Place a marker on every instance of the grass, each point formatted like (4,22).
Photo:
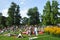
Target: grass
(7,38)
(47,37)
(13,38)
(40,37)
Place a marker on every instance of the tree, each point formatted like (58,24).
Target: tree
(0,17)
(50,13)
(14,15)
(0,14)
(46,14)
(58,19)
(54,14)
(33,16)
(2,21)
(25,21)
(17,16)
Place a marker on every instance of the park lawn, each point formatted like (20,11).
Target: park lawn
(47,37)
(40,37)
(11,38)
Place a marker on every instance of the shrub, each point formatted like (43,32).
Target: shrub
(52,30)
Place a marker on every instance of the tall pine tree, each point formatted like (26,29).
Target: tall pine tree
(46,14)
(50,13)
(54,13)
(14,16)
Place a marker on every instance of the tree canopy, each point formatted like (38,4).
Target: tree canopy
(33,16)
(50,13)
(14,14)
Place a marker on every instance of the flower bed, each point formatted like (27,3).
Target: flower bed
(52,30)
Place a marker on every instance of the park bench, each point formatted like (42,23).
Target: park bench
(32,38)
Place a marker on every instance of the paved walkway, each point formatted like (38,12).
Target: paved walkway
(31,38)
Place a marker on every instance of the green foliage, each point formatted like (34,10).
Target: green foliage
(54,12)
(33,16)
(25,21)
(46,13)
(50,13)
(14,16)
(58,19)
(2,21)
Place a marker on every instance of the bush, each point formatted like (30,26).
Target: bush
(52,30)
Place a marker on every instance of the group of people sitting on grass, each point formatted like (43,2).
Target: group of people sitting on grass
(29,31)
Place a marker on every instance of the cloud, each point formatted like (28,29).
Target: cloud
(4,12)
(22,1)
(24,13)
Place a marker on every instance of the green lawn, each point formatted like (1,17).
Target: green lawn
(40,37)
(11,38)
(47,37)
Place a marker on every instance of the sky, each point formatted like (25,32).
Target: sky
(24,6)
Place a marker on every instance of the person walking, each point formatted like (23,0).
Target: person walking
(35,30)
